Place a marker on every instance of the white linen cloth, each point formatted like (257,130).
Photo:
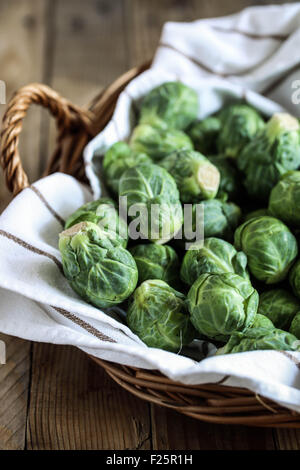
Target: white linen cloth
(251,50)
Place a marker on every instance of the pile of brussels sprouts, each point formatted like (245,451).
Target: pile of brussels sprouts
(240,289)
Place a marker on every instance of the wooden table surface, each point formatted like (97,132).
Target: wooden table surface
(54,397)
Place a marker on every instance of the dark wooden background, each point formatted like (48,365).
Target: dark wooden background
(54,397)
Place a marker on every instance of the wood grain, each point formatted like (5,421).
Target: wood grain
(96,41)
(287,439)
(22,36)
(93,35)
(75,405)
(144,23)
(22,42)
(14,384)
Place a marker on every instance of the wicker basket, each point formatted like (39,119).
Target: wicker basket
(213,403)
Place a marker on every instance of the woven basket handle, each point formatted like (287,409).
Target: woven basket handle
(69,119)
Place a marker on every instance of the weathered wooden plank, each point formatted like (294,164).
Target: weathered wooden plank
(22,41)
(287,439)
(90,48)
(144,22)
(214,8)
(21,56)
(75,405)
(14,382)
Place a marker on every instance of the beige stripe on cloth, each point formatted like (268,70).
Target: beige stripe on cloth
(32,248)
(291,358)
(83,324)
(46,203)
(266,91)
(63,312)
(276,37)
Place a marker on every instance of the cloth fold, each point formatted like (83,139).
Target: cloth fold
(224,59)
(257,48)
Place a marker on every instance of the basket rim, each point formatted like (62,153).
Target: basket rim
(210,402)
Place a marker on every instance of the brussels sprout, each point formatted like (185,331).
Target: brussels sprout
(204,134)
(295,326)
(270,247)
(195,176)
(216,257)
(274,151)
(118,158)
(102,212)
(260,321)
(157,143)
(147,185)
(256,213)
(254,339)
(171,104)
(158,315)
(279,306)
(220,304)
(230,179)
(156,262)
(284,201)
(239,124)
(220,218)
(98,269)
(294,278)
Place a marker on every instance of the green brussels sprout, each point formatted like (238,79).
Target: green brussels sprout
(284,201)
(195,176)
(149,187)
(260,321)
(254,339)
(270,246)
(274,151)
(216,257)
(102,272)
(280,306)
(294,278)
(118,158)
(230,179)
(171,104)
(156,262)
(220,218)
(158,315)
(158,143)
(220,304)
(256,213)
(204,134)
(295,326)
(102,212)
(239,124)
